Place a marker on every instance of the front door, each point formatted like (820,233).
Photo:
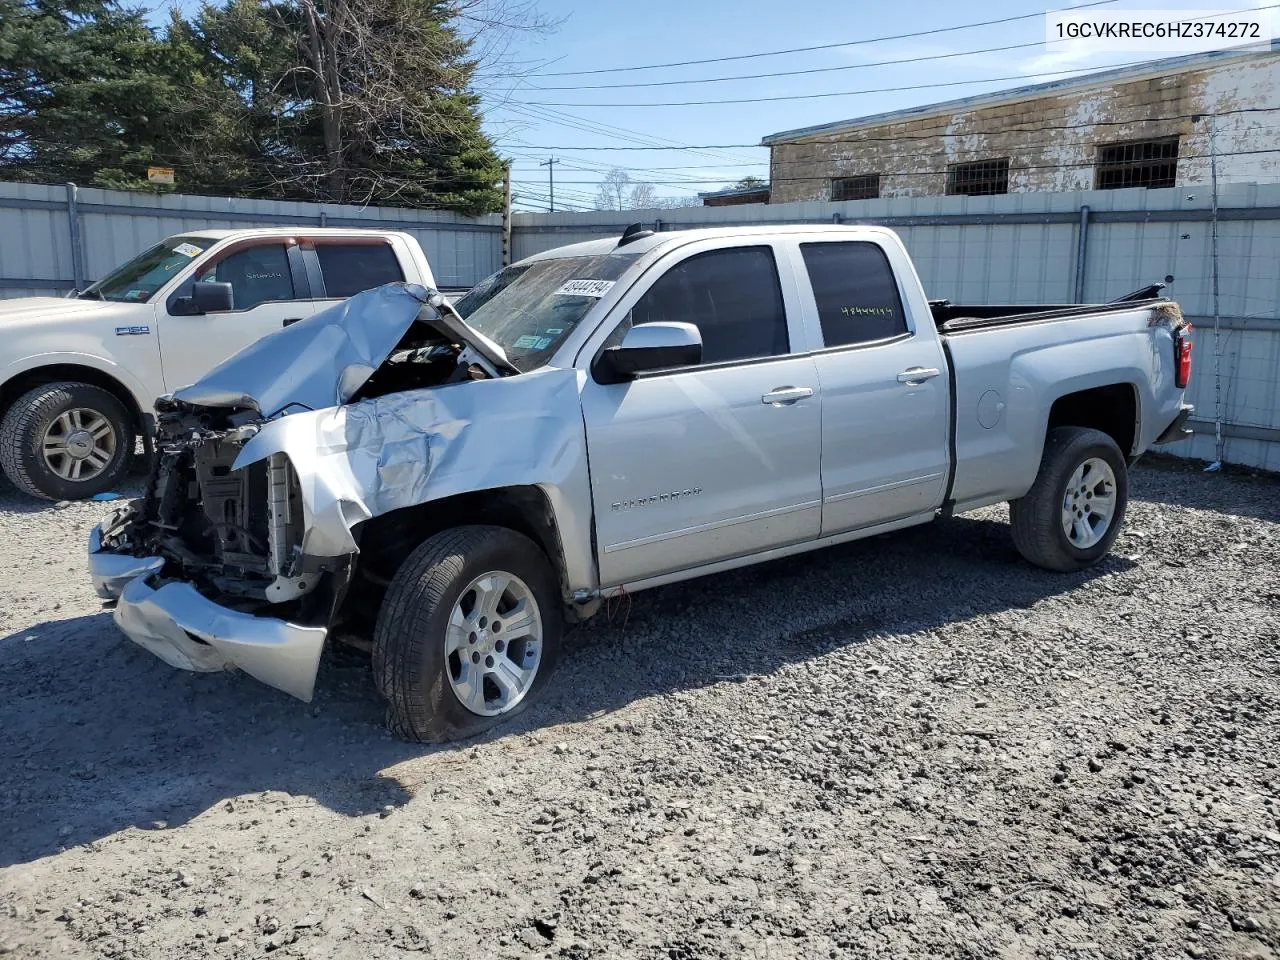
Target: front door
(699,464)
(269,291)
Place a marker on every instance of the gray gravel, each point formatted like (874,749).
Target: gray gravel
(911,746)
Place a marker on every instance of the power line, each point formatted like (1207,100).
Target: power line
(824,46)
(793,73)
(839,93)
(843,67)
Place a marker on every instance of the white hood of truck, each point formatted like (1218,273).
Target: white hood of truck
(56,309)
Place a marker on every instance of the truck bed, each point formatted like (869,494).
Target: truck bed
(962,318)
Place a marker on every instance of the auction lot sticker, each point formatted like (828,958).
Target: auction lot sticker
(586,288)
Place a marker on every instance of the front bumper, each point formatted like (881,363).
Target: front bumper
(188,630)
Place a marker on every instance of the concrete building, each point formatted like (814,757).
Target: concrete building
(1145,125)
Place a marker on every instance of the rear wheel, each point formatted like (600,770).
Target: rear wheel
(66,441)
(1072,514)
(468,633)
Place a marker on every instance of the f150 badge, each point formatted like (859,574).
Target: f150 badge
(133,331)
(657,498)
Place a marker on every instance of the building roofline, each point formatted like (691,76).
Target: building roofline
(1140,71)
(735,191)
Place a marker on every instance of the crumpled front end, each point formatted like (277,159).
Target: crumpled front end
(245,547)
(206,570)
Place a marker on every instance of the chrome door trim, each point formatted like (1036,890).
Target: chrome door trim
(880,488)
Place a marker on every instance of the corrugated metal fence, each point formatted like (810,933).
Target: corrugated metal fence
(1018,248)
(54,238)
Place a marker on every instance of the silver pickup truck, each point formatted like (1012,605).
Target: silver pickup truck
(447,486)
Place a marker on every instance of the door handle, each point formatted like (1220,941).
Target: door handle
(916,375)
(289,320)
(786,395)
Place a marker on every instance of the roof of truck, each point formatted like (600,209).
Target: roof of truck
(606,245)
(283,231)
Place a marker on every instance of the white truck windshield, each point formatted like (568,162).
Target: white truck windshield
(137,280)
(530,308)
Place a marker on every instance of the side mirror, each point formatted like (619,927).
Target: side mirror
(210,296)
(650,346)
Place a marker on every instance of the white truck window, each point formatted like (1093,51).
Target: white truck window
(257,275)
(856,292)
(731,296)
(349,268)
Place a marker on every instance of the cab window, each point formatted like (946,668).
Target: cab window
(257,275)
(856,292)
(732,296)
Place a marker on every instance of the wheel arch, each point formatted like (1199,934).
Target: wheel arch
(1114,409)
(19,382)
(386,540)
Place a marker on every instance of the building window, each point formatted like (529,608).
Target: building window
(1137,163)
(978,179)
(856,188)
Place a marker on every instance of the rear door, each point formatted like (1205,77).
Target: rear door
(885,404)
(269,291)
(698,464)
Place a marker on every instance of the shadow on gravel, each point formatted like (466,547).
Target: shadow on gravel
(99,735)
(758,619)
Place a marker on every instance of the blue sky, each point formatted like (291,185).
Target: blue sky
(608,33)
(531,122)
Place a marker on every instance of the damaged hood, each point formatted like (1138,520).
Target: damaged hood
(323,360)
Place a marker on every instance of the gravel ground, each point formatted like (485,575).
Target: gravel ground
(911,746)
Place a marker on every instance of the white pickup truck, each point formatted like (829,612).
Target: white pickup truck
(447,486)
(78,375)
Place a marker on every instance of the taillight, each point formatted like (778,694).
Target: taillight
(1182,356)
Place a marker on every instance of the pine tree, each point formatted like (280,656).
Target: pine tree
(85,92)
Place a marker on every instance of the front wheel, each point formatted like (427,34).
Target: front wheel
(66,441)
(1072,514)
(468,633)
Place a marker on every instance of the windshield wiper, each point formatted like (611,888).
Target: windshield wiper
(90,293)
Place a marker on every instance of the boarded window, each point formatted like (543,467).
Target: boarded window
(978,179)
(1137,163)
(856,293)
(866,187)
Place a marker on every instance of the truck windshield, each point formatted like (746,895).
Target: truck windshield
(530,308)
(146,273)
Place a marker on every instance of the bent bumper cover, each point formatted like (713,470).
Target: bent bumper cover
(188,630)
(112,571)
(1177,430)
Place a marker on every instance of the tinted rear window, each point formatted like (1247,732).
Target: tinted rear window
(856,292)
(349,268)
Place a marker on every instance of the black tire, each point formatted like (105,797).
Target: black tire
(29,417)
(409,660)
(1036,519)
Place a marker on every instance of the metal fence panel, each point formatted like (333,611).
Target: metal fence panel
(1018,248)
(36,246)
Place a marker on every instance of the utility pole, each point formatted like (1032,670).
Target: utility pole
(550,164)
(1219,443)
(506,214)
